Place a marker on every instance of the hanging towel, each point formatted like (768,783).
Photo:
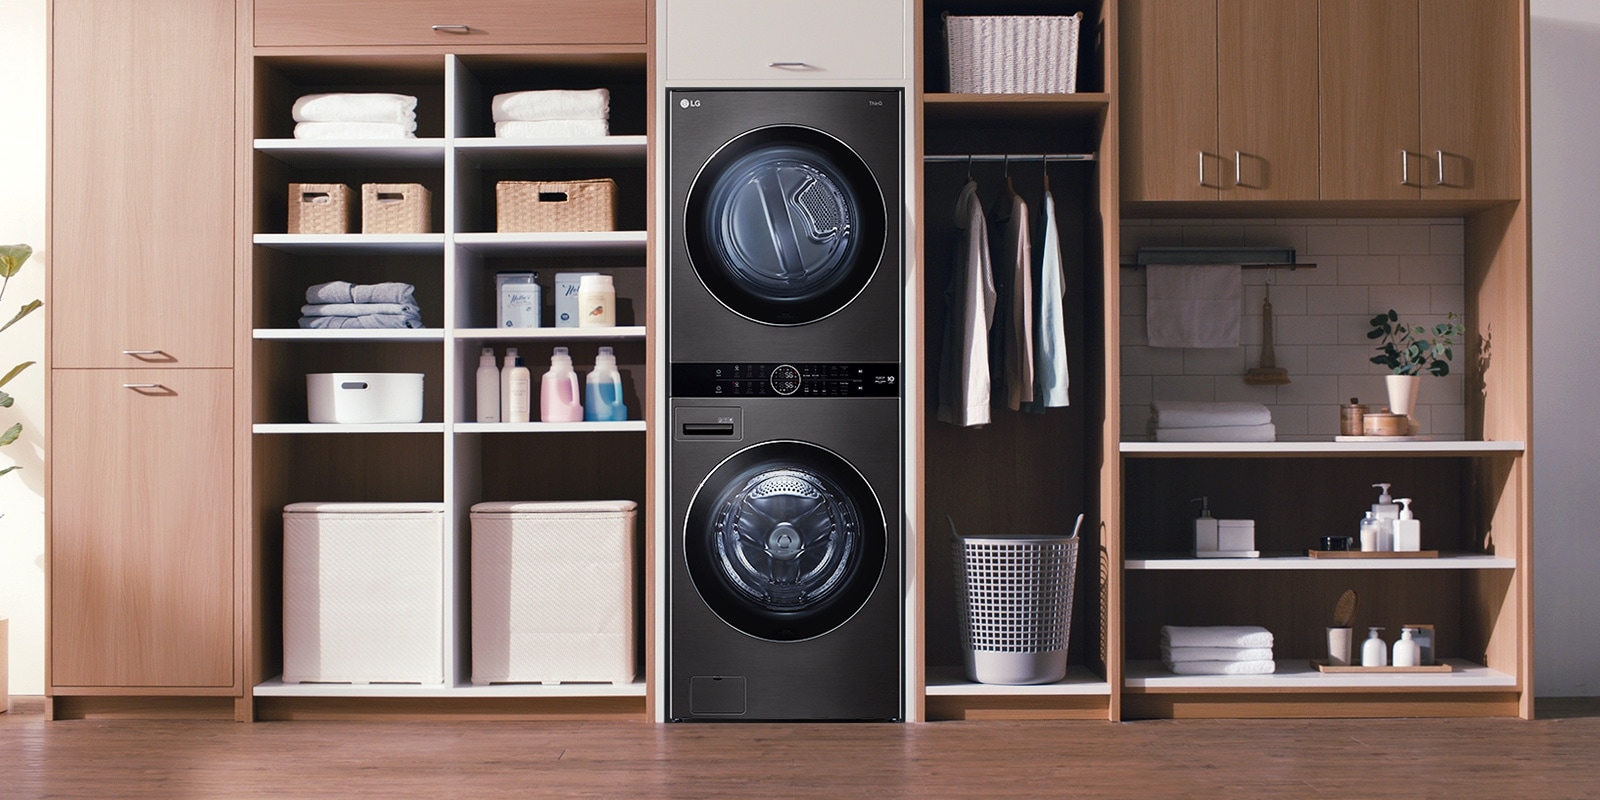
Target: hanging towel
(1224,433)
(546,104)
(365,321)
(1173,655)
(357,309)
(1193,306)
(1199,414)
(1050,332)
(1215,636)
(355,130)
(356,107)
(1017,346)
(969,311)
(346,292)
(1266,667)
(551,129)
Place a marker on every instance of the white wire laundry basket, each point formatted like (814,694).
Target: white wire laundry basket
(1014,605)
(1013,54)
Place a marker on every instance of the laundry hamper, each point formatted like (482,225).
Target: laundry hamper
(553,592)
(363,593)
(1014,605)
(1013,54)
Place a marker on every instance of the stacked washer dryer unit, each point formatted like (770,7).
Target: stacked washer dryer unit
(785,547)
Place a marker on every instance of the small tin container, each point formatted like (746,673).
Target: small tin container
(519,302)
(1350,416)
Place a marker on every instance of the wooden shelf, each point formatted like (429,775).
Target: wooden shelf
(275,687)
(352,243)
(595,243)
(1278,449)
(627,151)
(617,332)
(355,152)
(550,427)
(1456,561)
(1150,677)
(349,334)
(944,108)
(332,427)
(952,681)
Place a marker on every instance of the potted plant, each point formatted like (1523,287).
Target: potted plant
(1408,352)
(11,258)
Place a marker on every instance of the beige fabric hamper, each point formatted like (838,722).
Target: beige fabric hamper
(395,208)
(556,206)
(553,592)
(319,208)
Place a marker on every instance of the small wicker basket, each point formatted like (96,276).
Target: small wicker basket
(395,208)
(1013,54)
(548,206)
(319,208)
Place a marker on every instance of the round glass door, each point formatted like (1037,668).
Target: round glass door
(785,225)
(785,541)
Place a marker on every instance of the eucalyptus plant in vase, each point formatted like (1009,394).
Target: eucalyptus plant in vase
(1408,351)
(11,258)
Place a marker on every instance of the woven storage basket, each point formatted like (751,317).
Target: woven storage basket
(395,208)
(319,208)
(546,206)
(1013,55)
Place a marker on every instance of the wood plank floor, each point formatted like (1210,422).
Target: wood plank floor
(1557,755)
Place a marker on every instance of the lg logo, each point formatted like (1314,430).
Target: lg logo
(687,103)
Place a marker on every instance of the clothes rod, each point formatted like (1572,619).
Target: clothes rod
(945,158)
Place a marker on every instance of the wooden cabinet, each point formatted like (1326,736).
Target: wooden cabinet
(457,23)
(827,40)
(1219,99)
(1469,98)
(1370,148)
(141,540)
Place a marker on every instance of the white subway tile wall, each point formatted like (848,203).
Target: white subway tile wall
(1364,267)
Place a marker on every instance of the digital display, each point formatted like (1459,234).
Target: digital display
(785,380)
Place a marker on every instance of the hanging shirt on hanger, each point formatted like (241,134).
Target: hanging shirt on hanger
(1050,343)
(969,311)
(1017,336)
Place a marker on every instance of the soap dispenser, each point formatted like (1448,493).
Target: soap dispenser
(1374,653)
(559,398)
(1387,512)
(1205,528)
(1407,529)
(603,390)
(1407,653)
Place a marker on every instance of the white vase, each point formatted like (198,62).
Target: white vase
(1403,393)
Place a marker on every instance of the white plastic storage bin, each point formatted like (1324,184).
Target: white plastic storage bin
(364,397)
(363,593)
(553,592)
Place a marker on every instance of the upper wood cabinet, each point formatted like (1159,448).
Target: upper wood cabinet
(452,23)
(825,40)
(1469,98)
(142,183)
(1219,99)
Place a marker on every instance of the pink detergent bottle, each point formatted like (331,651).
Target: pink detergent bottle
(559,395)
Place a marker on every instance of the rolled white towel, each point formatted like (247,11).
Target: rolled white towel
(1229,433)
(552,129)
(1266,667)
(1215,636)
(355,130)
(358,309)
(356,107)
(1198,414)
(534,106)
(1176,654)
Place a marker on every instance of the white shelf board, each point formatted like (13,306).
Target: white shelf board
(617,332)
(275,687)
(347,243)
(1208,449)
(587,243)
(355,152)
(591,151)
(350,334)
(1298,674)
(332,427)
(549,427)
(1444,561)
(952,681)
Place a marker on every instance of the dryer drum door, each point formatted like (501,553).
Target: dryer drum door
(785,541)
(785,225)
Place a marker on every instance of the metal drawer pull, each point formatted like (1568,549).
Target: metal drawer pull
(141,352)
(142,386)
(1405,168)
(1439,155)
(1236,159)
(453,28)
(789,65)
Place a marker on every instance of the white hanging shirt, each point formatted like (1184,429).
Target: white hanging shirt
(1050,343)
(969,311)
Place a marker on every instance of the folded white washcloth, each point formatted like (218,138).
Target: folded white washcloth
(1266,667)
(1231,433)
(346,292)
(355,130)
(546,104)
(1193,305)
(1178,654)
(552,129)
(363,321)
(1201,414)
(356,107)
(357,309)
(1215,636)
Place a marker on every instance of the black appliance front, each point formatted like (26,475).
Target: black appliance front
(785,558)
(784,225)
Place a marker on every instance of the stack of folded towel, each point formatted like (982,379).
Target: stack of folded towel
(1186,421)
(552,114)
(339,304)
(1218,650)
(372,115)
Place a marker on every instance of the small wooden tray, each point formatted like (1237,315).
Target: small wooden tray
(1324,666)
(1373,554)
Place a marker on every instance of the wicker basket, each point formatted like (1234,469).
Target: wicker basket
(1013,55)
(546,206)
(395,208)
(319,208)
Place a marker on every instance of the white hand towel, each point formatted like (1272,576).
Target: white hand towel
(552,129)
(1176,654)
(356,107)
(1193,305)
(354,130)
(1195,414)
(1223,668)
(1226,433)
(546,104)
(1215,636)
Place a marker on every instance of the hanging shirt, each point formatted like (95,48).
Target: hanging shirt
(1050,343)
(969,311)
(1017,346)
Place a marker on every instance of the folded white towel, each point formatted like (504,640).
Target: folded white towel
(1177,654)
(357,309)
(356,107)
(1215,636)
(363,321)
(1199,414)
(552,129)
(1231,433)
(355,130)
(551,104)
(346,292)
(1193,305)
(1266,667)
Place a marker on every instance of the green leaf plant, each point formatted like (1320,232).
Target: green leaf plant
(1405,350)
(11,258)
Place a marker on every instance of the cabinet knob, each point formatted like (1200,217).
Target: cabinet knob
(453,28)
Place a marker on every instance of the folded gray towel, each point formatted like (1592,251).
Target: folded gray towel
(358,309)
(346,292)
(366,321)
(1196,414)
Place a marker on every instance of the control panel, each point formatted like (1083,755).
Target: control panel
(785,380)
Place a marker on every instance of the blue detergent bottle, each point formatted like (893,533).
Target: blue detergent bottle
(603,390)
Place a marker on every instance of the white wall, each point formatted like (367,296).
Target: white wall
(22,206)
(1566,283)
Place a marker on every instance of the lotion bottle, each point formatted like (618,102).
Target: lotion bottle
(488,387)
(1407,529)
(1206,528)
(1374,653)
(505,384)
(1387,512)
(559,398)
(602,400)
(1369,533)
(1407,653)
(521,393)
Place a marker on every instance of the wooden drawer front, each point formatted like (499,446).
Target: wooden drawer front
(717,40)
(488,22)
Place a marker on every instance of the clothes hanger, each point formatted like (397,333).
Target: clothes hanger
(1009,187)
(1045,157)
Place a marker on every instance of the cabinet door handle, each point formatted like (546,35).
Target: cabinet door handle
(1202,168)
(453,28)
(141,352)
(1405,168)
(789,65)
(1438,156)
(137,386)
(1236,159)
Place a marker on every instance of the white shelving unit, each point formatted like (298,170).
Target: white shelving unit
(347,243)
(275,687)
(1461,561)
(1299,675)
(334,427)
(952,681)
